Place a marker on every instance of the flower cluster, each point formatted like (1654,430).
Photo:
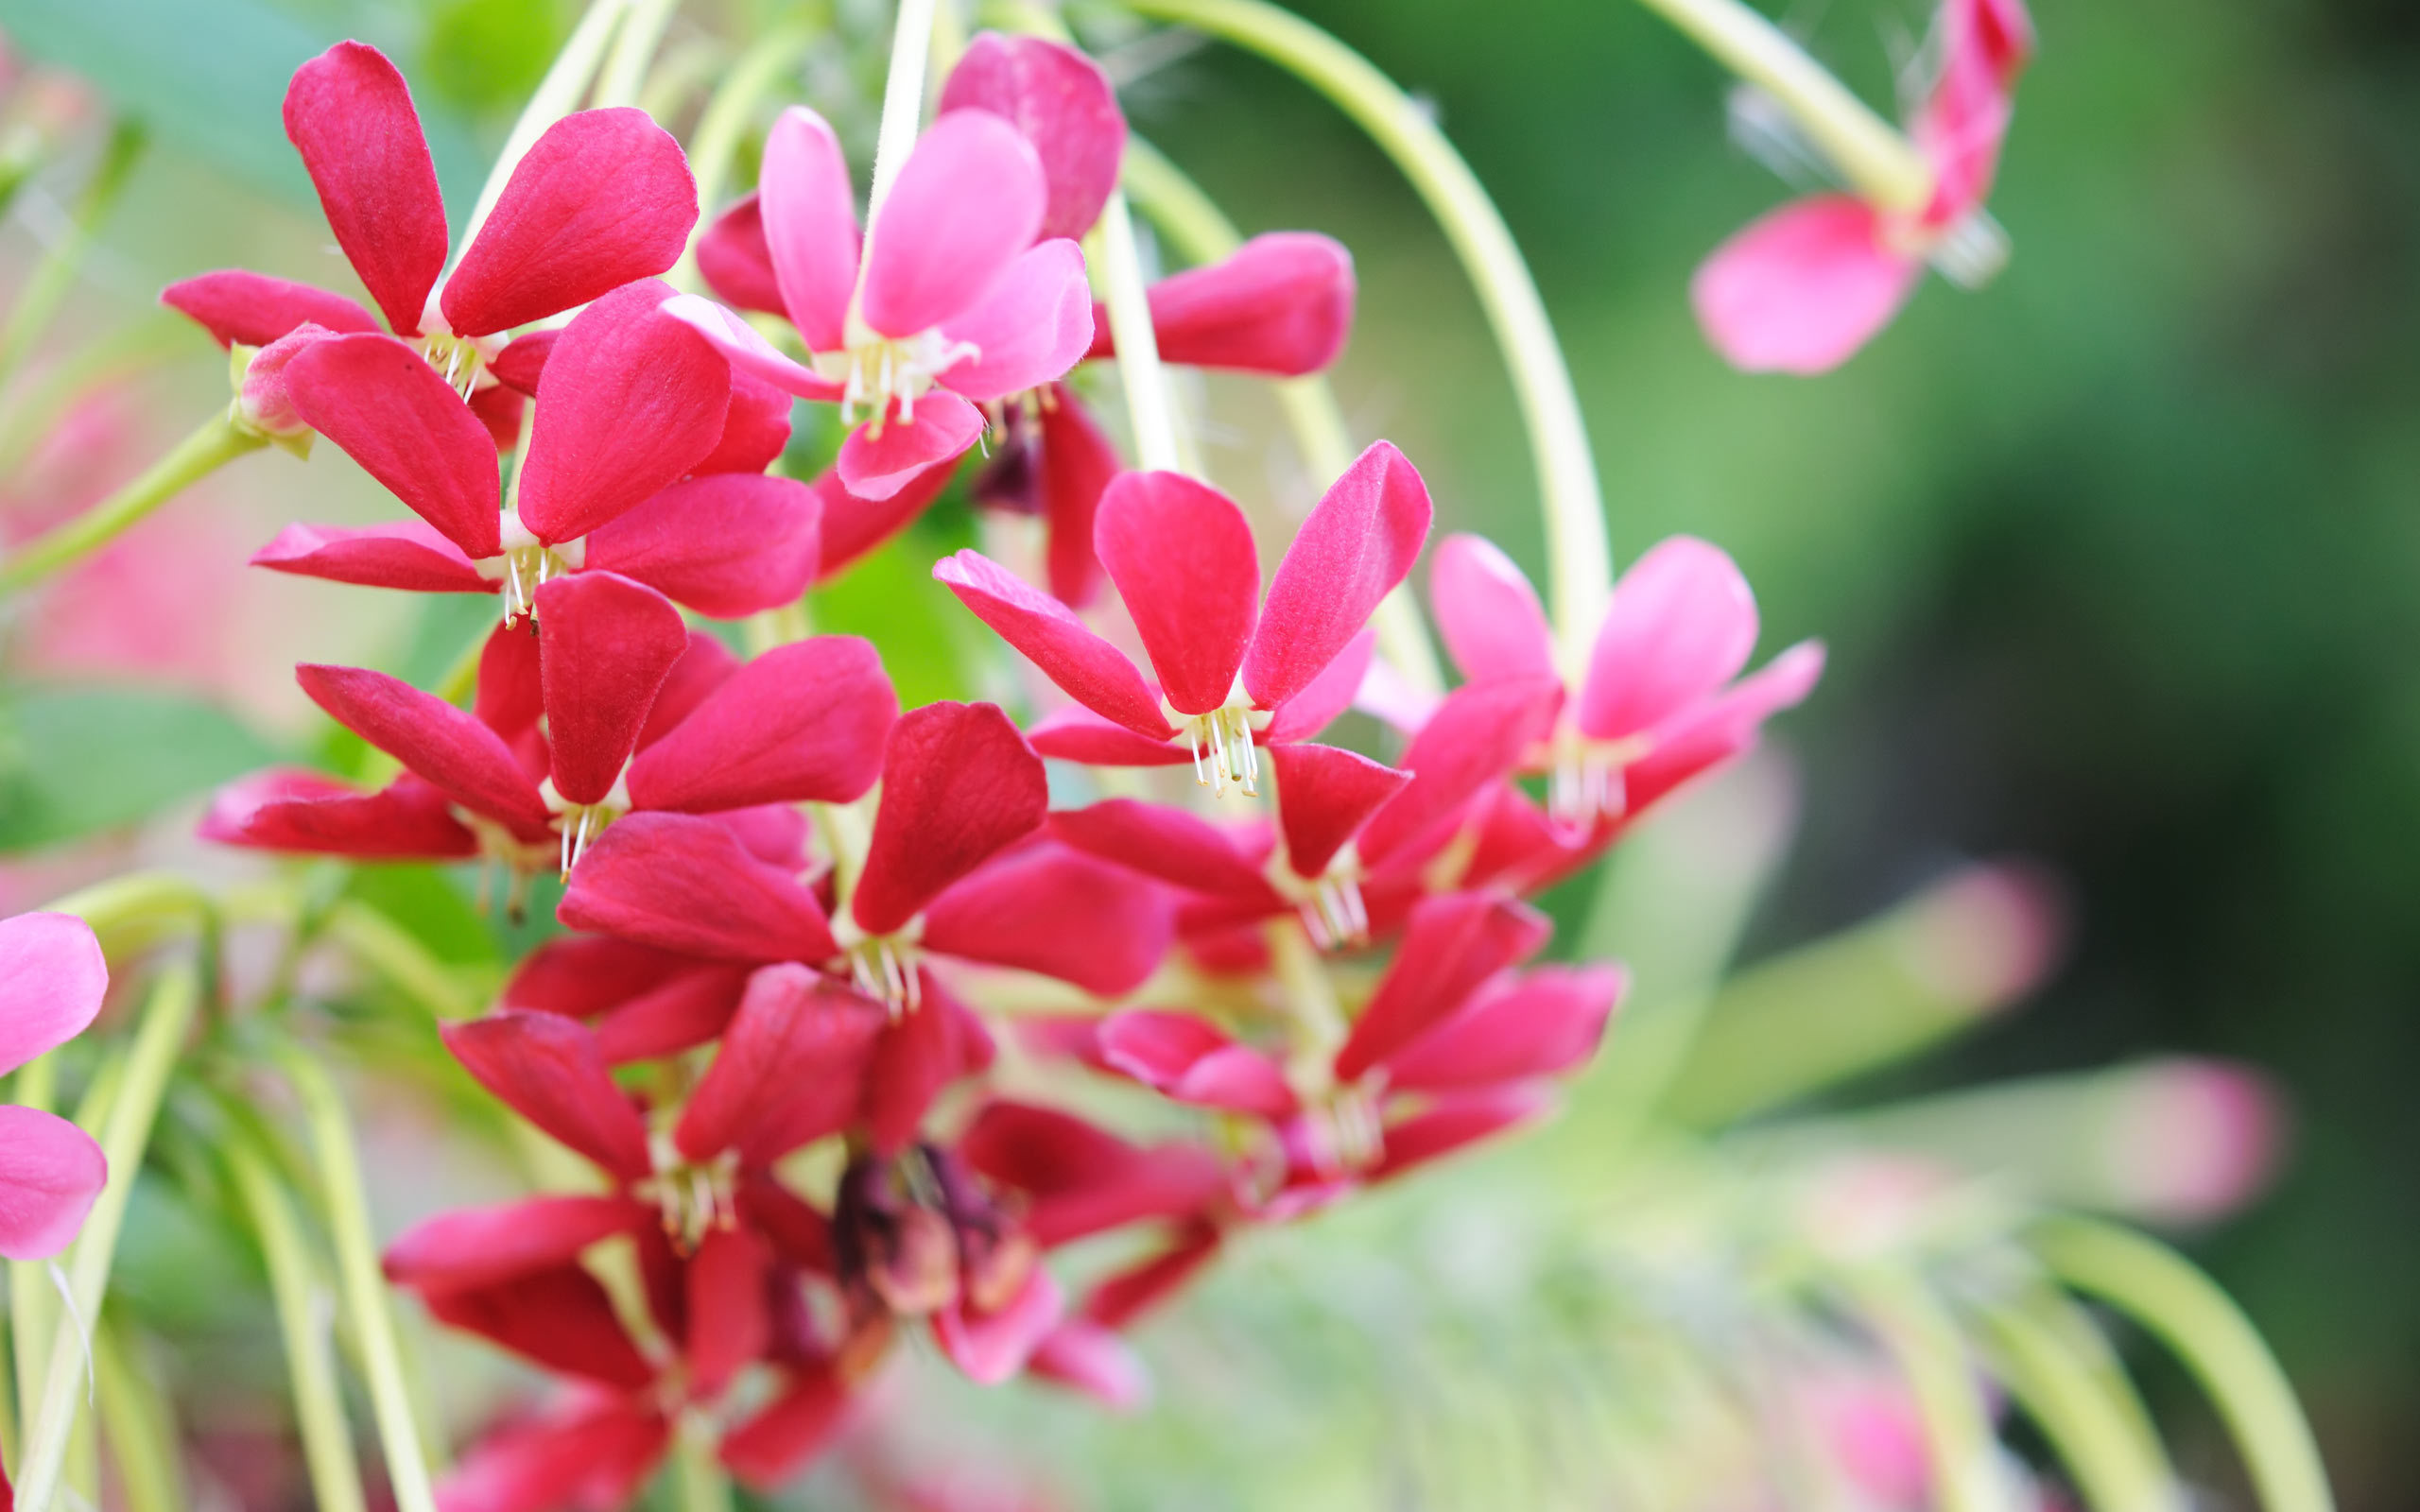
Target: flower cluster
(801,918)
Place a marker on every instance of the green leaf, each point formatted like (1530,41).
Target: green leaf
(489,55)
(74,761)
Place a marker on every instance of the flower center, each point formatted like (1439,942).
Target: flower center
(695,1198)
(527,562)
(1220,741)
(1330,904)
(875,372)
(883,966)
(578,823)
(1969,251)
(1342,1132)
(1584,777)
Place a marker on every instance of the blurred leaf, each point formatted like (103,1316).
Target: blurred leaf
(77,761)
(488,55)
(428,904)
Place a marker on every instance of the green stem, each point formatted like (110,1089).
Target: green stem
(388,949)
(212,444)
(699,1479)
(303,1310)
(726,115)
(1150,409)
(2168,1295)
(1579,559)
(140,1424)
(903,103)
(157,1044)
(626,68)
(56,272)
(1922,1340)
(1884,166)
(2088,1413)
(363,1289)
(558,95)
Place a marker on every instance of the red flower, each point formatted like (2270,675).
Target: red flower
(52,979)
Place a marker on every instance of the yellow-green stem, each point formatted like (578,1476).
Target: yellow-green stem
(140,1423)
(31,1301)
(556,96)
(391,951)
(305,1312)
(1923,1341)
(1117,267)
(2078,1409)
(212,444)
(51,277)
(626,66)
(903,103)
(699,1479)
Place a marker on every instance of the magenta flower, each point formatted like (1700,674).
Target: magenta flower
(1280,304)
(1233,672)
(603,198)
(52,978)
(1802,289)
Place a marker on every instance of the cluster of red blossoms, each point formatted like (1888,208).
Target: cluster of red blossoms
(793,906)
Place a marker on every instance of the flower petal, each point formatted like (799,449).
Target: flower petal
(1487,613)
(580,977)
(737,264)
(1450,945)
(1079,1179)
(602,199)
(1281,303)
(1476,736)
(1063,105)
(1030,329)
(992,1348)
(1542,1023)
(50,1173)
(727,546)
(740,344)
(235,305)
(1175,846)
(1182,555)
(730,1323)
(1084,1357)
(1800,290)
(1188,1059)
(1087,668)
(548,1068)
(925,1050)
(463,758)
(1077,461)
(692,1009)
(852,526)
(480,1246)
(1057,912)
(877,461)
(406,554)
(958,783)
(795,1028)
(605,646)
(387,409)
(521,365)
(808,220)
(1075,733)
(1325,795)
(52,978)
(350,114)
(562,1320)
(1356,545)
(968,200)
(755,430)
(703,668)
(804,723)
(1681,624)
(686,884)
(634,400)
(596,1450)
(1449,1125)
(1721,726)
(302,811)
(1326,695)
(777,1442)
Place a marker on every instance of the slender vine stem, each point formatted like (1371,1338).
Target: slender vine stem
(2080,1412)
(1579,557)
(2167,1295)
(1117,265)
(304,1313)
(51,277)
(702,1484)
(556,96)
(903,105)
(212,444)
(626,66)
(1922,1339)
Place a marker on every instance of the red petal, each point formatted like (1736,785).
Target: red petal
(598,1452)
(1326,696)
(1061,103)
(235,305)
(992,1347)
(688,885)
(1087,1358)
(1722,727)
(853,526)
(743,349)
(1476,736)
(877,465)
(735,262)
(958,783)
(701,669)
(924,1050)
(580,978)
(726,545)
(800,1235)
(510,698)
(522,364)
(1450,1125)
(386,407)
(1355,547)
(729,1325)
(808,218)
(465,759)
(499,409)
(1280,303)
(1544,1023)
(1079,1179)
(50,1174)
(408,554)
(1090,670)
(1123,1297)
(1055,911)
(1800,290)
(1488,614)
(1325,796)
(776,1444)
(1075,733)
(305,812)
(690,1010)
(1030,329)
(606,644)
(635,399)
(1182,555)
(804,723)
(1176,847)
(1191,1061)
(602,199)
(1681,624)
(794,1028)
(967,202)
(549,1070)
(350,114)
(1077,461)
(562,1320)
(480,1246)
(1450,945)
(755,430)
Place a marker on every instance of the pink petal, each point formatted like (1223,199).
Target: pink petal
(853,526)
(803,723)
(1117,1302)
(703,668)
(1325,795)
(603,198)
(1355,546)
(634,400)
(1801,290)
(1090,1359)
(686,884)
(739,343)
(1450,945)
(958,783)
(1721,726)
(1077,461)
(1327,696)
(597,1452)
(692,1009)
(1281,303)
(923,1052)
(350,114)
(1182,555)
(511,699)
(808,220)
(755,430)
(480,1246)
(562,1320)
(1681,624)
(499,408)
(605,646)
(1189,1060)
(967,202)
(408,554)
(1030,329)
(1168,843)
(52,977)
(878,461)
(1448,1125)
(580,977)
(465,759)
(305,812)
(992,1349)
(730,1324)
(1057,912)
(727,546)
(50,1173)
(1544,1023)
(1075,733)
(1087,668)
(1487,613)
(1476,736)
(261,395)
(548,1068)
(1063,104)
(1079,1179)
(386,407)
(776,1443)
(521,365)
(794,1027)
(737,264)
(235,305)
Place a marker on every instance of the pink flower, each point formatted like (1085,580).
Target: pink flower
(602,198)
(1803,289)
(1280,304)
(1233,672)
(52,978)
(954,304)
(1061,103)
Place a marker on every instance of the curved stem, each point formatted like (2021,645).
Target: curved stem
(725,117)
(39,299)
(556,96)
(1579,559)
(1884,166)
(2090,1419)
(626,67)
(304,1312)
(212,444)
(132,1111)
(2167,1295)
(1924,1341)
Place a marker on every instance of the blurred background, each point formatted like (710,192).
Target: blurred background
(2117,559)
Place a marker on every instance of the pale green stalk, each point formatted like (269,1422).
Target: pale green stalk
(390,949)
(558,95)
(903,105)
(634,48)
(726,115)
(699,1481)
(305,1312)
(132,1111)
(1151,410)
(215,442)
(56,272)
(2167,1295)
(1924,1342)
(1579,558)
(1884,166)
(140,1423)
(363,1287)
(2092,1421)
